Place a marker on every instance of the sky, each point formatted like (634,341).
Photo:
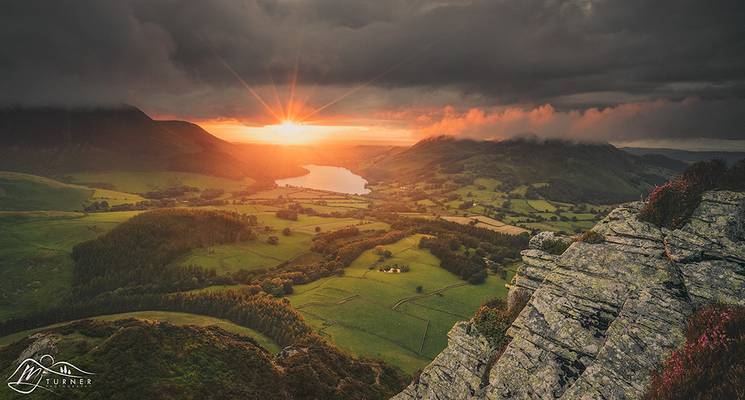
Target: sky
(667,73)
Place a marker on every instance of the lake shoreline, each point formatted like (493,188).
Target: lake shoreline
(328,178)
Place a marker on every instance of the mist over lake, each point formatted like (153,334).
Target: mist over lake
(324,177)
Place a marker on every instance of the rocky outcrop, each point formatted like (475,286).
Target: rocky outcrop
(458,371)
(601,316)
(43,343)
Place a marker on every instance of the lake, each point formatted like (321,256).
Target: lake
(324,177)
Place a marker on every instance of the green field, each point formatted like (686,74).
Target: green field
(258,254)
(172,317)
(145,181)
(381,315)
(25,192)
(541,205)
(35,263)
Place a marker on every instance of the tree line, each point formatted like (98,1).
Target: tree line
(136,255)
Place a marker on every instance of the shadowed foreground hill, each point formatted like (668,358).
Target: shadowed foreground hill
(137,359)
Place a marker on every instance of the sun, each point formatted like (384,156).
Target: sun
(290,132)
(289,127)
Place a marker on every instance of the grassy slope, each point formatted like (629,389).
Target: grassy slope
(175,318)
(356,311)
(256,254)
(25,192)
(35,263)
(144,181)
(30,192)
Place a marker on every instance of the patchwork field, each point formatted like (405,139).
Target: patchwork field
(502,209)
(172,317)
(487,223)
(383,315)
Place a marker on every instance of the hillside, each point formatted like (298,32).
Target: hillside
(54,141)
(557,170)
(140,359)
(686,156)
(603,315)
(25,192)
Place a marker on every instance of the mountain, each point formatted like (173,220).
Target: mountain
(686,156)
(556,169)
(49,141)
(603,315)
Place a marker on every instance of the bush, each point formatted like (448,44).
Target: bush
(287,214)
(672,204)
(711,364)
(286,231)
(273,240)
(494,317)
(477,277)
(592,237)
(705,175)
(466,205)
(556,246)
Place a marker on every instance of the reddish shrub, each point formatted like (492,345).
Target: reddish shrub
(591,237)
(671,204)
(711,364)
(705,175)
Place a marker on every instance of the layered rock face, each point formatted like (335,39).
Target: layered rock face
(601,316)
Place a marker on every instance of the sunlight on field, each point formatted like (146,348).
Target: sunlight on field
(349,309)
(144,181)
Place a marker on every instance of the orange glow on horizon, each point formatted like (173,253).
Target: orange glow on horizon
(290,132)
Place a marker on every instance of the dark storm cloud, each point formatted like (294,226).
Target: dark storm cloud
(571,54)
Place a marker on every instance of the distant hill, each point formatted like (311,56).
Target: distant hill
(685,156)
(558,170)
(52,141)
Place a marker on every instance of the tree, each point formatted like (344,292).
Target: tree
(287,214)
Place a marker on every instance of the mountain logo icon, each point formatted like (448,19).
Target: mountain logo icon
(48,375)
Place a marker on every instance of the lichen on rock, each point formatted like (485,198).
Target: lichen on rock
(601,316)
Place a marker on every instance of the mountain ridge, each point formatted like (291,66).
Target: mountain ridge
(557,169)
(48,140)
